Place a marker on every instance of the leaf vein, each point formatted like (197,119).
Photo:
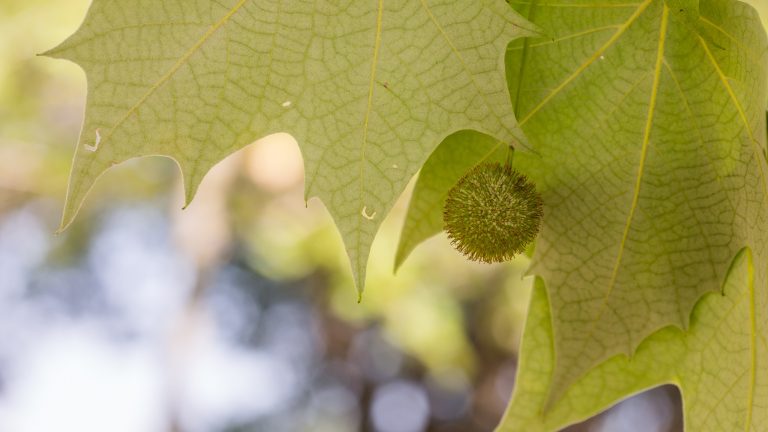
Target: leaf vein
(760,162)
(366,124)
(453,47)
(636,14)
(640,169)
(567,37)
(175,68)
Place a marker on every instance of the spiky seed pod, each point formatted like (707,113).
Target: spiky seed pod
(492,213)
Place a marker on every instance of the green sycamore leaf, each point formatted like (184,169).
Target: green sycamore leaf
(716,363)
(453,158)
(647,124)
(762,9)
(367,89)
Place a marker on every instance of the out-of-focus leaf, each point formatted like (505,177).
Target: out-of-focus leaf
(456,155)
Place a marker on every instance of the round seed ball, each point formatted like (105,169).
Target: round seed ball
(492,213)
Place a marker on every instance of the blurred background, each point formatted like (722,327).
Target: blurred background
(237,314)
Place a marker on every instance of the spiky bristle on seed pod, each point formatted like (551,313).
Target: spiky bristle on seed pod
(492,213)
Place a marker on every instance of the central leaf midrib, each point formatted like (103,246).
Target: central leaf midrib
(640,171)
(643,156)
(366,123)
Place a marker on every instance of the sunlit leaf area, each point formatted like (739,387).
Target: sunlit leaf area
(238,313)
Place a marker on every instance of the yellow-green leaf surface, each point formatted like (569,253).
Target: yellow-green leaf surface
(453,158)
(647,121)
(721,375)
(368,89)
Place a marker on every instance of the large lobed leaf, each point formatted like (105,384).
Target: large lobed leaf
(367,88)
(647,122)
